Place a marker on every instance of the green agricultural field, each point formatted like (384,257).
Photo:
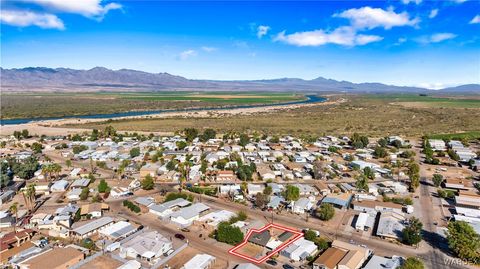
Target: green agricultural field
(35,105)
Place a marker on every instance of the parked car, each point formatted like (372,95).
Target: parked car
(288,266)
(272,262)
(180,236)
(185,230)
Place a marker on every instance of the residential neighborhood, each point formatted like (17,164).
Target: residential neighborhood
(209,200)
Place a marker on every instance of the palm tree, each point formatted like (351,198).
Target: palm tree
(29,196)
(56,169)
(46,171)
(14,210)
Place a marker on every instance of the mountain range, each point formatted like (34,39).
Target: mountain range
(103,79)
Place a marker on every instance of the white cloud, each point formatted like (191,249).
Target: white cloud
(406,2)
(475,19)
(432,86)
(187,54)
(208,49)
(345,36)
(369,18)
(87,8)
(400,40)
(28,18)
(433,13)
(262,30)
(436,38)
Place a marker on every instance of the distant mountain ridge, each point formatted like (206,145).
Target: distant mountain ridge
(102,78)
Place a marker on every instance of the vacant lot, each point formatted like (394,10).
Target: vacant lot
(415,100)
(36,105)
(373,115)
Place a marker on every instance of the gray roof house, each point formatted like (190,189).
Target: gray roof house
(185,216)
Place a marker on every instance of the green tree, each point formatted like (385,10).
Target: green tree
(147,183)
(103,186)
(25,133)
(414,175)
(369,173)
(275,139)
(310,235)
(175,195)
(14,211)
(94,135)
(325,212)
(397,143)
(68,163)
(359,141)
(453,155)
(134,152)
(244,140)
(291,193)
(267,190)
(261,200)
(25,169)
(17,134)
(190,134)
(382,142)
(221,164)
(228,234)
(412,233)
(110,131)
(181,145)
(380,152)
(172,164)
(208,134)
(412,263)
(37,147)
(84,194)
(464,241)
(362,183)
(437,180)
(77,149)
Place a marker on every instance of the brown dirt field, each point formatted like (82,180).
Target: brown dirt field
(251,250)
(102,262)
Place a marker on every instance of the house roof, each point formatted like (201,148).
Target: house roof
(191,211)
(180,202)
(199,261)
(353,259)
(145,201)
(330,258)
(285,236)
(85,209)
(342,199)
(93,225)
(55,258)
(261,238)
(147,244)
(82,182)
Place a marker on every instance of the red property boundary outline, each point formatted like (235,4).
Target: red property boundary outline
(273,252)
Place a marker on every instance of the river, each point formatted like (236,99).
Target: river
(310,99)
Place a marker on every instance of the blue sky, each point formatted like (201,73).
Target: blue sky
(423,43)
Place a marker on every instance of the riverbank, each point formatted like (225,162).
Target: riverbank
(73,125)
